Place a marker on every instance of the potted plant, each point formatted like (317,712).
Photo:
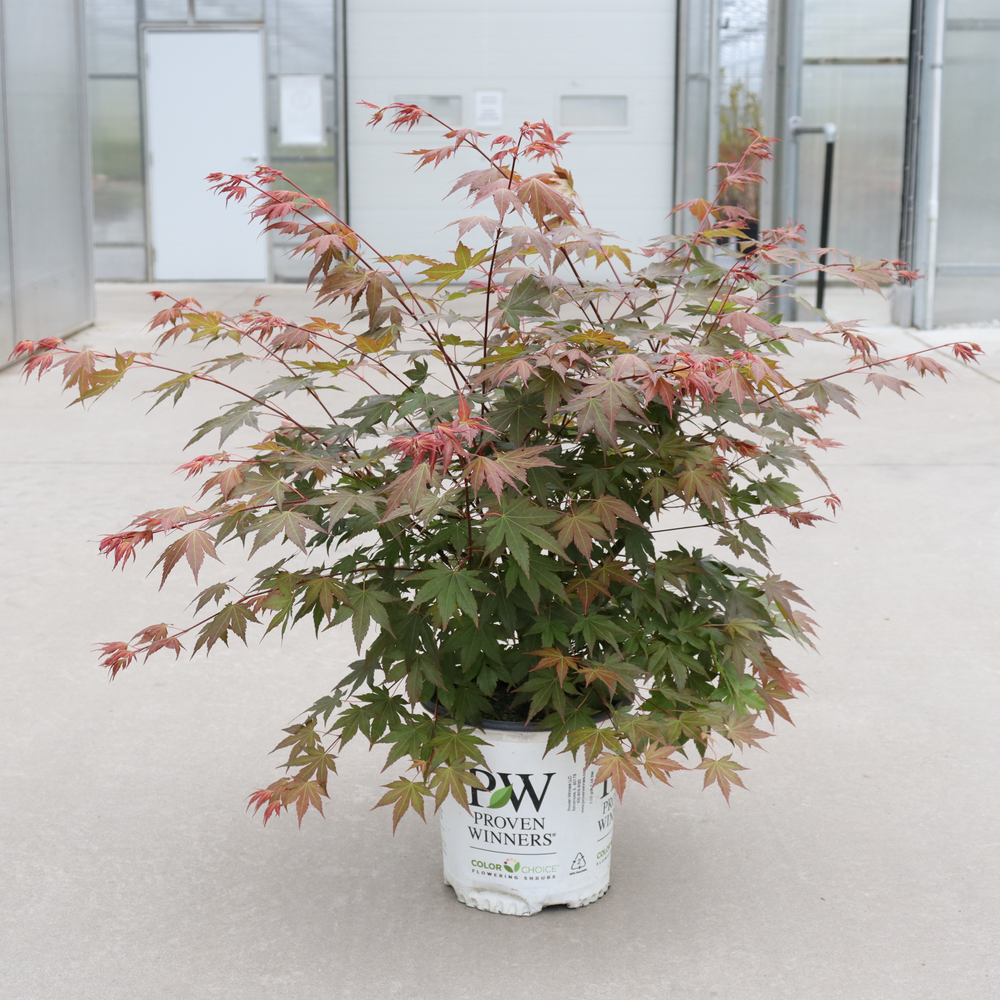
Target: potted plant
(497,514)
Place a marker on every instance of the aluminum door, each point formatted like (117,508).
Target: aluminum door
(204,113)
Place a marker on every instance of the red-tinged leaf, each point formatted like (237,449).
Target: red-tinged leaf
(116,656)
(123,545)
(484,222)
(507,467)
(587,589)
(825,443)
(741,731)
(193,546)
(783,594)
(542,199)
(402,796)
(967,352)
(581,528)
(926,366)
(201,463)
(658,762)
(226,481)
(833,502)
(882,381)
(558,660)
(609,509)
(618,768)
(721,772)
(705,482)
(409,487)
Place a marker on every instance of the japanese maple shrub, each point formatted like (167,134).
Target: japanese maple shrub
(497,516)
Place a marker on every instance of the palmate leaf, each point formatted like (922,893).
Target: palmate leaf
(516,525)
(232,618)
(452,779)
(449,589)
(580,528)
(599,408)
(506,468)
(453,745)
(193,546)
(594,742)
(522,300)
(722,772)
(618,768)
(557,659)
(402,796)
(367,603)
(292,523)
(658,762)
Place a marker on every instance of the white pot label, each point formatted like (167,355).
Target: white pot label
(539,835)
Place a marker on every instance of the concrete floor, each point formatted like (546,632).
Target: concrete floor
(861,865)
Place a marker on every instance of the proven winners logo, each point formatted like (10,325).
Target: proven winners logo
(490,827)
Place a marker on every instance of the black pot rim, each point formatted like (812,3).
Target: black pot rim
(501,725)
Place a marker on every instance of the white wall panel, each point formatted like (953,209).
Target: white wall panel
(47,167)
(534,52)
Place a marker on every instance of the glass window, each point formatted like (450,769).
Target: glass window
(119,205)
(165,10)
(598,111)
(111,36)
(969,263)
(855,55)
(229,10)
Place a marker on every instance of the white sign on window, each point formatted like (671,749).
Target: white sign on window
(301,110)
(489,108)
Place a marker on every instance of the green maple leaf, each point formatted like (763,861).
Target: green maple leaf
(402,796)
(593,741)
(456,744)
(451,779)
(522,300)
(450,589)
(518,523)
(293,524)
(367,604)
(232,618)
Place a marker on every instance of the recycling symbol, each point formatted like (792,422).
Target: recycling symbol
(579,863)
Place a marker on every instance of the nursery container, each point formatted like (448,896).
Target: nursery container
(545,842)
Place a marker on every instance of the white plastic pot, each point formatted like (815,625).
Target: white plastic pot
(546,842)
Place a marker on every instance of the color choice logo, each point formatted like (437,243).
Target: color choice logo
(511,865)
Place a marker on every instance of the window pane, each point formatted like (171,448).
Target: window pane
(119,213)
(300,35)
(229,10)
(165,10)
(593,112)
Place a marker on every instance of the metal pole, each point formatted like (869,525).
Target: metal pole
(937,74)
(824,227)
(830,131)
